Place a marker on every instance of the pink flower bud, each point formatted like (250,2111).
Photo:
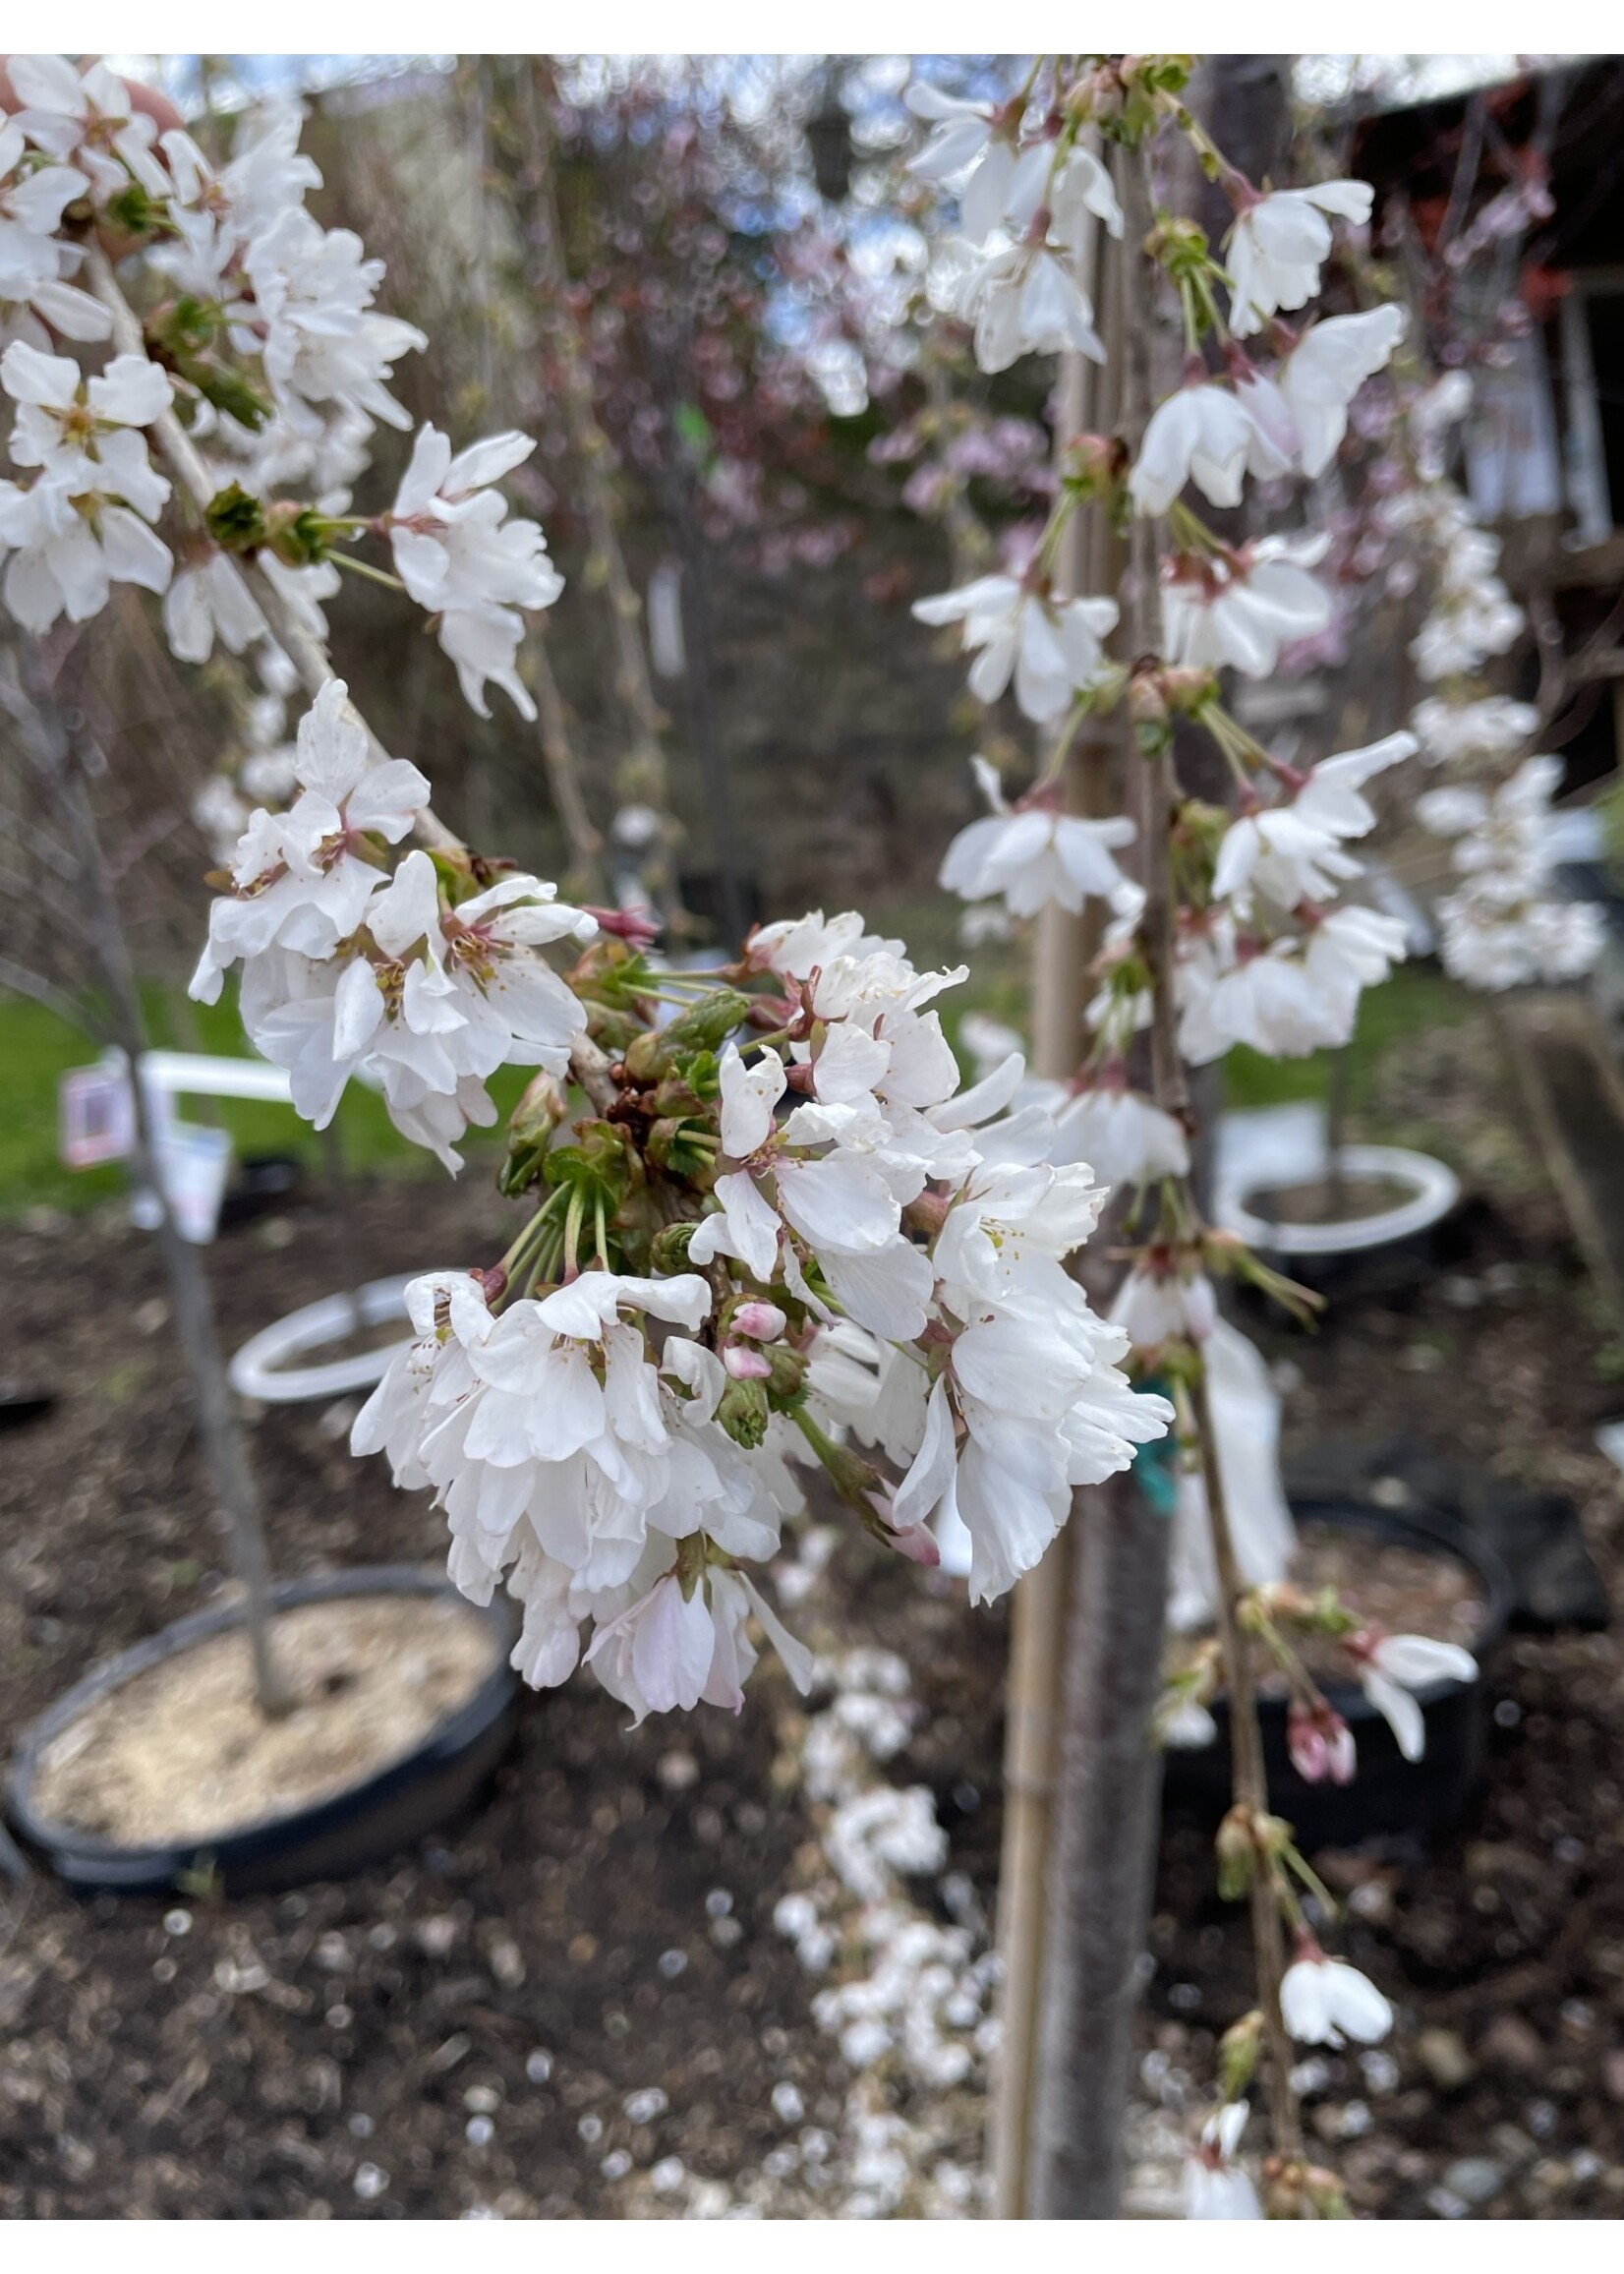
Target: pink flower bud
(744,1363)
(1320,1744)
(918,1543)
(636,926)
(761,1322)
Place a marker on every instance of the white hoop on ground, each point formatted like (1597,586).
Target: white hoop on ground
(261,1368)
(1434,1191)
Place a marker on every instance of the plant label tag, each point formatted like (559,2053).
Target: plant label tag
(95,1117)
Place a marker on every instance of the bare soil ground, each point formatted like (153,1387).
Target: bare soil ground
(583,1980)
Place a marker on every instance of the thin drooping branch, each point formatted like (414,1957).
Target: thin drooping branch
(310,657)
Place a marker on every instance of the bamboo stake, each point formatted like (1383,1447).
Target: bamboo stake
(1063,949)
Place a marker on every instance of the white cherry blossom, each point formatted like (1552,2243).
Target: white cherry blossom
(1277,245)
(1326,2002)
(1051,647)
(87,120)
(1242,607)
(1032,854)
(1203,434)
(1291,852)
(1392,1668)
(1324,371)
(1214,2184)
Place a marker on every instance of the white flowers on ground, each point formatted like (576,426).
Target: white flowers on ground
(1393,1666)
(1051,647)
(462,559)
(1029,853)
(1277,245)
(1326,2002)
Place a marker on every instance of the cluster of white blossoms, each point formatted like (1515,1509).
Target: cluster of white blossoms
(763,1250)
(1271,952)
(1277,960)
(1504,925)
(269,350)
(348,968)
(1501,928)
(1027,203)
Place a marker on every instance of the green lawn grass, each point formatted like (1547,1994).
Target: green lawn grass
(36,1048)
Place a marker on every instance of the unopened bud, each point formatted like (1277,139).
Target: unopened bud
(745,1363)
(705,1028)
(1295,2189)
(1235,1850)
(638,927)
(760,1321)
(1321,1743)
(787,1372)
(1238,2052)
(743,1413)
(668,1250)
(1092,465)
(917,1542)
(1146,700)
(540,1112)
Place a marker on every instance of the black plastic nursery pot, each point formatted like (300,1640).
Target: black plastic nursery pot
(325,1839)
(264,1181)
(1389,1798)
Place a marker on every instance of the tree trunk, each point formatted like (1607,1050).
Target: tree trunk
(1102,1857)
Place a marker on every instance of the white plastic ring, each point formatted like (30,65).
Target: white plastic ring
(1434,1191)
(261,1368)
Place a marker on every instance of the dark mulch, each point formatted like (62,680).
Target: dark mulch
(609,1910)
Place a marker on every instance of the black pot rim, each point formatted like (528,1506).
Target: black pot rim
(146,1865)
(1420,1527)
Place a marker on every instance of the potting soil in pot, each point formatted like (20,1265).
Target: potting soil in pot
(1322,1202)
(1403,1590)
(182,1753)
